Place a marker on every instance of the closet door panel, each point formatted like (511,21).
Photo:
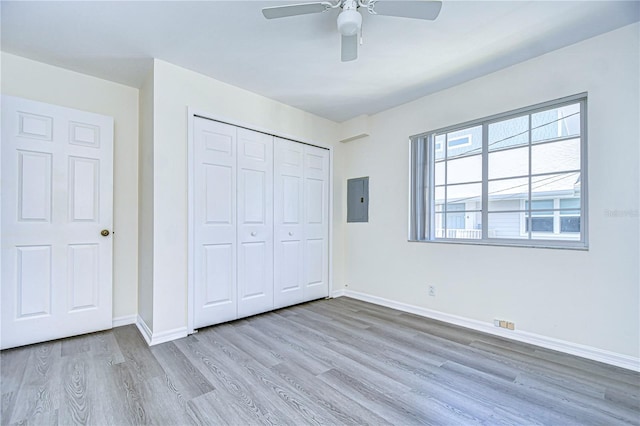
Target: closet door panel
(255,222)
(289,222)
(214,222)
(316,223)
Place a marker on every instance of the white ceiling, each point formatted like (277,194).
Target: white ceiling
(296,60)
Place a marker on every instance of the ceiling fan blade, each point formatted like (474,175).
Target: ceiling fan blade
(416,9)
(294,9)
(349,48)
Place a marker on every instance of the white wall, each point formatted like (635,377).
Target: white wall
(45,83)
(175,89)
(583,297)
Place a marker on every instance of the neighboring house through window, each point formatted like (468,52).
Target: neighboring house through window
(552,216)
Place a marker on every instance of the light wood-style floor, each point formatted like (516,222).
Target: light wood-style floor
(338,361)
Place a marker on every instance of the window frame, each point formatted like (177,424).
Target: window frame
(422,209)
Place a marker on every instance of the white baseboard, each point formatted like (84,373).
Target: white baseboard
(583,351)
(144,330)
(124,320)
(339,293)
(156,338)
(169,335)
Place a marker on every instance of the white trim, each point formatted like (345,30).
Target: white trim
(190,220)
(584,351)
(169,335)
(124,320)
(339,293)
(157,338)
(330,225)
(144,330)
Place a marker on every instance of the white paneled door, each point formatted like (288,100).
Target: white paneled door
(289,223)
(255,222)
(316,223)
(214,239)
(57,180)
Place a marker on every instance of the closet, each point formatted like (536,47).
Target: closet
(260,222)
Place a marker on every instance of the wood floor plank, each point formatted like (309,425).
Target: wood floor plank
(290,348)
(335,312)
(527,400)
(211,408)
(233,388)
(75,345)
(436,411)
(77,406)
(388,406)
(264,381)
(38,397)
(138,358)
(134,405)
(242,340)
(573,377)
(592,403)
(182,374)
(115,398)
(104,345)
(371,338)
(163,402)
(339,405)
(325,354)
(15,362)
(623,399)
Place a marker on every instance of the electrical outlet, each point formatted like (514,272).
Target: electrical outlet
(504,324)
(432,290)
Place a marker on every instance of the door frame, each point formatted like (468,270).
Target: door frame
(192,113)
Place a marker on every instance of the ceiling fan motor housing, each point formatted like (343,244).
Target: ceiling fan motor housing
(349,20)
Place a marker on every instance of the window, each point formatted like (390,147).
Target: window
(459,142)
(555,216)
(537,218)
(513,179)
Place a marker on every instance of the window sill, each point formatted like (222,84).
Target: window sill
(579,246)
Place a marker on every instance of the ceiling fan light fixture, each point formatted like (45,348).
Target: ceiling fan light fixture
(349,22)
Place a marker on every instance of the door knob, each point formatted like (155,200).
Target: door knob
(253,234)
(290,234)
(104,232)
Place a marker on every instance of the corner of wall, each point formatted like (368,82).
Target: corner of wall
(145,205)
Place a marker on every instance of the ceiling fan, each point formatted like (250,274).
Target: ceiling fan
(350,20)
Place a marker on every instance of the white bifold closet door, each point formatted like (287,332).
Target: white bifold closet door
(233,209)
(255,222)
(301,223)
(215,248)
(260,222)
